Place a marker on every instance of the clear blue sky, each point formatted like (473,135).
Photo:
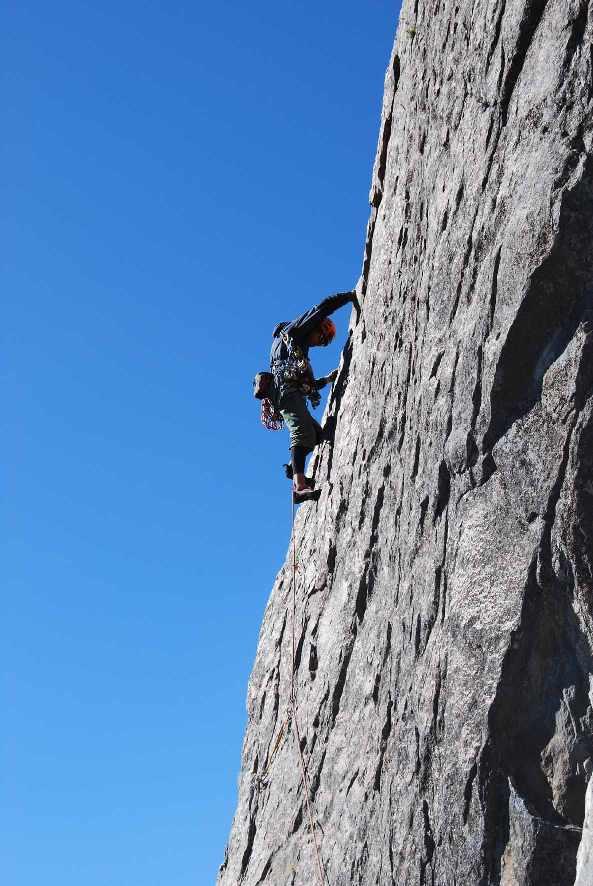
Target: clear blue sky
(176,179)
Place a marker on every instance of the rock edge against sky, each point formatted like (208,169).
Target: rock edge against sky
(444,591)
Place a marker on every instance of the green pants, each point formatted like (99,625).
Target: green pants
(304,430)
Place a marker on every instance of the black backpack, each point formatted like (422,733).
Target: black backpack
(262,385)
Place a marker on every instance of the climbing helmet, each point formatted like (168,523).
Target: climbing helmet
(327,328)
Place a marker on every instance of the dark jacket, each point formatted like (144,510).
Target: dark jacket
(300,329)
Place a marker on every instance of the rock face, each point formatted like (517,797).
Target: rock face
(444,629)
(585,854)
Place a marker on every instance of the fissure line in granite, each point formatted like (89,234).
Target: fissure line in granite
(284,731)
(293,715)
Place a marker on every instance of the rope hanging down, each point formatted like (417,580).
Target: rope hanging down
(321,873)
(292,717)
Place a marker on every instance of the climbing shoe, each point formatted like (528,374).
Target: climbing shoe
(310,481)
(306,495)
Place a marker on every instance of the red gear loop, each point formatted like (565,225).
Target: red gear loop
(270,418)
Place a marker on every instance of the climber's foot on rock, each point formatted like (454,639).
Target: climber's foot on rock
(306,494)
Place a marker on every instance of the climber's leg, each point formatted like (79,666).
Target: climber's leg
(299,453)
(303,435)
(289,474)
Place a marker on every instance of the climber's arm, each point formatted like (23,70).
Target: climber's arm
(309,321)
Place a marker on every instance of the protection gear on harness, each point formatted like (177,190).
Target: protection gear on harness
(296,371)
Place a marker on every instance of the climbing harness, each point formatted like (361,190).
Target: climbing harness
(295,370)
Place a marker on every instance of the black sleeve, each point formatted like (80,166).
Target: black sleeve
(303,325)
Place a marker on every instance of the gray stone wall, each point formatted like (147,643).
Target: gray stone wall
(444,592)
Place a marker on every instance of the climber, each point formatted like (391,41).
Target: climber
(294,382)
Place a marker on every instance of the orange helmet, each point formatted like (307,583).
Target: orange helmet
(327,329)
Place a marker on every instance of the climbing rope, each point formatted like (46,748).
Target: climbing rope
(292,717)
(321,873)
(270,417)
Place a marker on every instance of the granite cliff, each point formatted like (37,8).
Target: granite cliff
(445,585)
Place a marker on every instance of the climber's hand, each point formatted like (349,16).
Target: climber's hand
(355,304)
(326,379)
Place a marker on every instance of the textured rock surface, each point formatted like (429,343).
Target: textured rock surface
(585,854)
(445,608)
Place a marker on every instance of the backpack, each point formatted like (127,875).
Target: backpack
(262,384)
